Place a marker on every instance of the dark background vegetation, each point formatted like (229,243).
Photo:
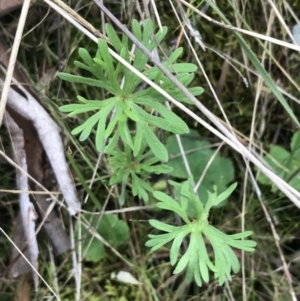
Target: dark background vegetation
(51,45)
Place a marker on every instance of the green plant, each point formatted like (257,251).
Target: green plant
(284,163)
(126,124)
(142,110)
(196,258)
(128,105)
(113,230)
(198,154)
(126,166)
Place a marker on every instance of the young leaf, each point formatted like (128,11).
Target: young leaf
(196,259)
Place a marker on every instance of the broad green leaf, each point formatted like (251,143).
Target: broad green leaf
(85,67)
(90,121)
(113,230)
(126,105)
(193,267)
(147,31)
(184,199)
(94,251)
(159,240)
(176,68)
(240,235)
(97,72)
(159,36)
(177,94)
(78,108)
(185,78)
(120,69)
(109,65)
(140,187)
(171,117)
(246,245)
(284,164)
(198,277)
(123,186)
(198,153)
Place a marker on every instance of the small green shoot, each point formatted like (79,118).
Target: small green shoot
(128,105)
(128,168)
(196,260)
(126,123)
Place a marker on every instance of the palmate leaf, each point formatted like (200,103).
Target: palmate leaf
(129,105)
(127,109)
(86,128)
(196,259)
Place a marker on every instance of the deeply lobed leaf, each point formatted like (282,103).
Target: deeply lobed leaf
(196,260)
